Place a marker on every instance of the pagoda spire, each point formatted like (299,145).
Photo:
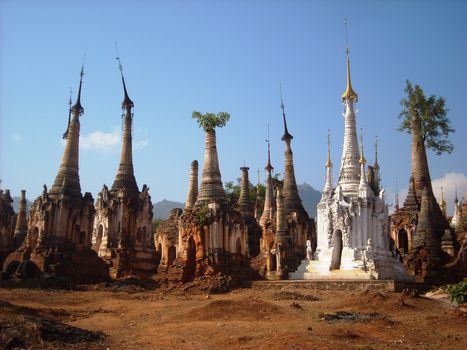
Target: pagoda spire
(21,228)
(268,209)
(77,106)
(328,184)
(67,180)
(125,177)
(428,233)
(349,93)
(376,165)
(65,134)
(286,135)
(292,201)
(244,204)
(193,188)
(211,189)
(349,175)
(364,188)
(257,198)
(442,204)
(411,202)
(396,207)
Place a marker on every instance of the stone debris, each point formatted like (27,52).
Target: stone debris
(26,331)
(351,316)
(287,295)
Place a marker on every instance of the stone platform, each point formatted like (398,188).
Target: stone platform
(350,285)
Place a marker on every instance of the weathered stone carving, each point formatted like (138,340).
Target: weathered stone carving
(21,228)
(60,221)
(122,227)
(7,220)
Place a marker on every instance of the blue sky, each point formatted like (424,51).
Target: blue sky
(212,56)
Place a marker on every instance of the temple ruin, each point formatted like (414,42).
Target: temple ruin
(21,228)
(7,224)
(282,247)
(420,239)
(58,239)
(210,236)
(122,225)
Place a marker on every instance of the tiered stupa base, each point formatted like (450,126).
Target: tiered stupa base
(382,267)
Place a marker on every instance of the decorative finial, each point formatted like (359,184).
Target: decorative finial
(286,136)
(362,158)
(376,165)
(443,202)
(69,100)
(77,107)
(346,38)
(127,102)
(397,195)
(328,162)
(456,200)
(269,167)
(65,134)
(258,179)
(349,93)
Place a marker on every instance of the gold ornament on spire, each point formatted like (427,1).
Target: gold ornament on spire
(349,93)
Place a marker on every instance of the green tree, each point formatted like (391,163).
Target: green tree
(431,116)
(210,121)
(155,224)
(232,191)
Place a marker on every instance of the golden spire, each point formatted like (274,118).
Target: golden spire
(349,93)
(328,162)
(362,157)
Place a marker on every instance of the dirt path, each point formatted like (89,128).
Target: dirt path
(242,319)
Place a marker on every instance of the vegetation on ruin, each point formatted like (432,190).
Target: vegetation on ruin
(201,215)
(232,191)
(457,292)
(210,121)
(155,224)
(431,114)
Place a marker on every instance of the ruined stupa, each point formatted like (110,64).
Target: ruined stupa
(58,240)
(300,228)
(213,237)
(21,228)
(405,221)
(7,224)
(122,225)
(425,256)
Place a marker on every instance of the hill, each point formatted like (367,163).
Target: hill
(15,204)
(162,209)
(310,198)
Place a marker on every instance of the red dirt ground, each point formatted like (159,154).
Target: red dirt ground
(242,319)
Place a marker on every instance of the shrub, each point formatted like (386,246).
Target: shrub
(457,292)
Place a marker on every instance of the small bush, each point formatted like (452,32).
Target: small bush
(457,292)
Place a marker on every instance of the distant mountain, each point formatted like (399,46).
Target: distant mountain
(310,198)
(15,204)
(162,209)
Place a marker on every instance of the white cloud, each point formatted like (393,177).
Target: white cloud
(101,141)
(450,183)
(140,138)
(17,137)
